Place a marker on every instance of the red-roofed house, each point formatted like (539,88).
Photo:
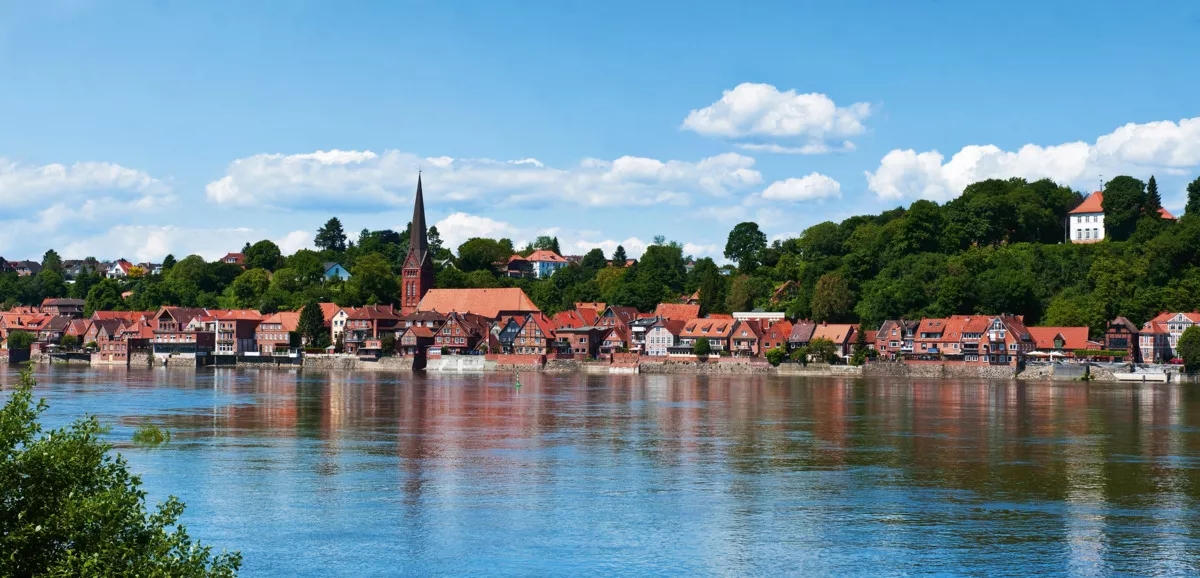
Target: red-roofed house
(1064,340)
(746,338)
(367,326)
(234,259)
(1086,222)
(1160,336)
(415,339)
(275,331)
(663,336)
(461,334)
(236,330)
(1122,335)
(490,303)
(677,311)
(717,331)
(841,334)
(536,337)
(777,335)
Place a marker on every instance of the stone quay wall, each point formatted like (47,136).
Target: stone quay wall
(939,370)
(352,363)
(684,366)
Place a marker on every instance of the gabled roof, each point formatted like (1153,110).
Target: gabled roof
(79,326)
(1094,203)
(778,331)
(328,310)
(236,315)
(290,320)
(680,311)
(1123,322)
(933,325)
(109,327)
(541,322)
(62,302)
(486,302)
(375,312)
(471,323)
(719,328)
(593,305)
(545,256)
(837,333)
(419,331)
(802,332)
(236,257)
(181,315)
(1167,316)
(1073,337)
(126,315)
(567,319)
(625,314)
(751,330)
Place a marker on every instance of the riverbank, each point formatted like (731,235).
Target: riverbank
(623,364)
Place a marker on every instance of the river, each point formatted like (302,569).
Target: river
(358,474)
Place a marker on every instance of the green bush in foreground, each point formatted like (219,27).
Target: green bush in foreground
(70,507)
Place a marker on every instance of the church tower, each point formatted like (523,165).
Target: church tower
(417,275)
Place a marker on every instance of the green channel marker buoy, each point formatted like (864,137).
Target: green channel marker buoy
(518,384)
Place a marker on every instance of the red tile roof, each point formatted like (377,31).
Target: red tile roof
(677,311)
(568,319)
(290,320)
(486,302)
(542,255)
(236,314)
(720,328)
(1073,337)
(1094,203)
(375,312)
(838,333)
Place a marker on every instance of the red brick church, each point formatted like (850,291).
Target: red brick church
(417,275)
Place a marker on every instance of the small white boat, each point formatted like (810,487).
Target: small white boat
(1159,377)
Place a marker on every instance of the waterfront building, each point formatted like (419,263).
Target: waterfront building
(1061,340)
(841,334)
(1122,335)
(662,336)
(276,330)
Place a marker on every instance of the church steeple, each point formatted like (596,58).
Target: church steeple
(418,240)
(417,276)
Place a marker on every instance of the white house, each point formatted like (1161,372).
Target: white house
(663,335)
(1086,222)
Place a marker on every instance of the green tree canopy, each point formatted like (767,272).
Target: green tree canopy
(373,281)
(594,260)
(1124,199)
(264,255)
(70,507)
(1189,348)
(619,259)
(701,347)
(831,300)
(482,254)
(744,244)
(331,236)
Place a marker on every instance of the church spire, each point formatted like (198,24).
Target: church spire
(418,240)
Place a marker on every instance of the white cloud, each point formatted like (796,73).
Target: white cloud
(365,181)
(153,242)
(815,186)
(23,185)
(815,148)
(295,241)
(763,114)
(456,228)
(44,204)
(634,247)
(1139,148)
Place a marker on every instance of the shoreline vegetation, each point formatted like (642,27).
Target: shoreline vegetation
(69,506)
(1000,247)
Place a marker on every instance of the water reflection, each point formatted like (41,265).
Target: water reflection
(353,473)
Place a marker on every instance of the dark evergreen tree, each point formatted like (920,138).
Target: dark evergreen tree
(331,237)
(312,326)
(619,259)
(1153,200)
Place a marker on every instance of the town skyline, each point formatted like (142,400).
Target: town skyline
(147,159)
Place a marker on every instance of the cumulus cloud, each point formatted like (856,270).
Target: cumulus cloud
(780,122)
(47,203)
(815,186)
(456,228)
(366,181)
(1165,145)
(153,242)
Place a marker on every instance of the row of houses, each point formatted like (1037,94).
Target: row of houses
(72,268)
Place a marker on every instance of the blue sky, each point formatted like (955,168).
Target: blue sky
(140,128)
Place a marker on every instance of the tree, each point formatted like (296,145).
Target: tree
(743,292)
(104,296)
(248,288)
(69,341)
(1124,198)
(331,237)
(823,350)
(18,340)
(775,355)
(264,255)
(373,281)
(168,262)
(312,326)
(594,260)
(482,254)
(831,299)
(1193,196)
(619,259)
(434,241)
(744,245)
(711,284)
(1153,200)
(701,347)
(1189,348)
(51,261)
(69,506)
(860,340)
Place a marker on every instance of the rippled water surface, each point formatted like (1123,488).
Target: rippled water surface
(360,474)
